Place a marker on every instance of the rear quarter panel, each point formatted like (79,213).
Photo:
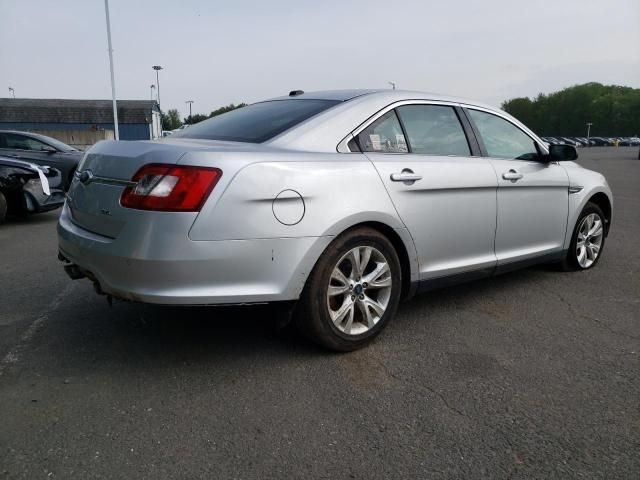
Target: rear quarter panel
(338,192)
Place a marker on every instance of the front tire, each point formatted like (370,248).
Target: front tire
(352,292)
(587,242)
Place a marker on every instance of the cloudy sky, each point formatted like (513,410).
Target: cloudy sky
(216,52)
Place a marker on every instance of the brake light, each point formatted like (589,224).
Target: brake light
(170,188)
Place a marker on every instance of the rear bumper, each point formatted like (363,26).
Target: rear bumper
(178,271)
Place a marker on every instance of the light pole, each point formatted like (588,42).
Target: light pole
(157,68)
(189,102)
(113,82)
(153,87)
(13,92)
(393,85)
(589,132)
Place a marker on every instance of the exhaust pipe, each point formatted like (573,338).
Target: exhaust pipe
(74,272)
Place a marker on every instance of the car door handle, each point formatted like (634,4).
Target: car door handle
(406,175)
(512,175)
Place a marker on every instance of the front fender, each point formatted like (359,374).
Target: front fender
(577,202)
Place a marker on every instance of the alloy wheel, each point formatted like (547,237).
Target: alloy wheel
(589,243)
(359,290)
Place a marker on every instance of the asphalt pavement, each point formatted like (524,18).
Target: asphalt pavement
(533,374)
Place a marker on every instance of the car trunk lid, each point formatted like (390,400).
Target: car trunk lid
(108,168)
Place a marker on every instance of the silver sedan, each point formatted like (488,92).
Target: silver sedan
(337,203)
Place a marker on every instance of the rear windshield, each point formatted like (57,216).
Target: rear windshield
(60,146)
(258,122)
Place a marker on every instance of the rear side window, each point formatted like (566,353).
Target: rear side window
(256,123)
(384,135)
(501,138)
(434,130)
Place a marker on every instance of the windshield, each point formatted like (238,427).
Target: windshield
(258,122)
(59,145)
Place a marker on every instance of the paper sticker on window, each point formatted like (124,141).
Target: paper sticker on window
(401,143)
(375,142)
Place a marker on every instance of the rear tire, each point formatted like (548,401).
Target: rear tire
(343,307)
(587,242)
(3,207)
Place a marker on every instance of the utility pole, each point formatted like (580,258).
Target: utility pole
(12,91)
(393,85)
(113,82)
(157,68)
(589,132)
(189,102)
(153,87)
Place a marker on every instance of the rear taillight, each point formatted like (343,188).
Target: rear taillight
(170,188)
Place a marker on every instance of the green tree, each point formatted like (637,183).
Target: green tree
(195,118)
(198,117)
(171,120)
(612,109)
(226,109)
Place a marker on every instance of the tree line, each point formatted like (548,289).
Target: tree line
(171,120)
(611,109)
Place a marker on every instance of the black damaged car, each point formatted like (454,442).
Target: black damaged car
(41,150)
(28,188)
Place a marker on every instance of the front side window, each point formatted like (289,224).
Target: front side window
(502,139)
(256,123)
(20,142)
(383,136)
(434,130)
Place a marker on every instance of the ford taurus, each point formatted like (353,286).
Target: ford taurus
(341,203)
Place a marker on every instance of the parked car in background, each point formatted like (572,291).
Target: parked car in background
(41,150)
(628,142)
(28,188)
(344,202)
(600,142)
(570,141)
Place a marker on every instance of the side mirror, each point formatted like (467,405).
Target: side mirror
(558,153)
(49,149)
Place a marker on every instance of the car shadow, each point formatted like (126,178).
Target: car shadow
(85,334)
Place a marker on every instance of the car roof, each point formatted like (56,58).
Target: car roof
(392,95)
(323,132)
(44,138)
(340,95)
